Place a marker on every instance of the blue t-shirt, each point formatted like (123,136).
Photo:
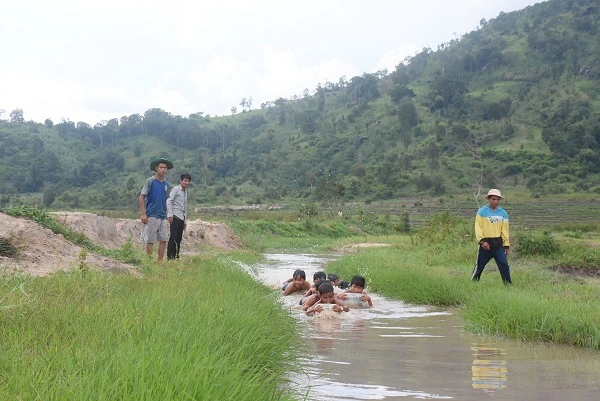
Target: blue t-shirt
(156,197)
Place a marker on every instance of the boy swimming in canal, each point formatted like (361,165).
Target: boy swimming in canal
(297,283)
(326,301)
(318,279)
(356,296)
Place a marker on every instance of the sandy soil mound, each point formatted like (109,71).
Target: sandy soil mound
(39,251)
(113,233)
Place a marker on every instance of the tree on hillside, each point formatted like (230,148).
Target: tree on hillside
(157,121)
(433,155)
(446,91)
(49,195)
(131,125)
(320,99)
(65,127)
(309,121)
(187,134)
(16,116)
(363,88)
(407,114)
(399,93)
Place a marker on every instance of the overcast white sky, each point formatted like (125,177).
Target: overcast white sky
(95,60)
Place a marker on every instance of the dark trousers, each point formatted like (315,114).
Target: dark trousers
(498,254)
(175,238)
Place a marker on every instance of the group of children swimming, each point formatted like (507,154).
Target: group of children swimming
(323,294)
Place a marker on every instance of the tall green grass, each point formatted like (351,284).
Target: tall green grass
(199,329)
(267,231)
(300,236)
(541,305)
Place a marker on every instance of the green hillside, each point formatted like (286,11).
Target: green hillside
(513,105)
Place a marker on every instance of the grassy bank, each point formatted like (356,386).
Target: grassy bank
(294,232)
(199,329)
(543,304)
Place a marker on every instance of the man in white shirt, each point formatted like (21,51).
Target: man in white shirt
(177,215)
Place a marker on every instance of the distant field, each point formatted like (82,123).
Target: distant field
(531,214)
(523,214)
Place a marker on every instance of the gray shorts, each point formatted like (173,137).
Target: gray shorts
(157,230)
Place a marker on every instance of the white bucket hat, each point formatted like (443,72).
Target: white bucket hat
(494,192)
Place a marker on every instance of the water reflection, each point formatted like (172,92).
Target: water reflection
(397,351)
(489,369)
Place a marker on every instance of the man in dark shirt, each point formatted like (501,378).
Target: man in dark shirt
(153,207)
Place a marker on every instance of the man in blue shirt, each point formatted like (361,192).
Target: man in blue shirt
(153,207)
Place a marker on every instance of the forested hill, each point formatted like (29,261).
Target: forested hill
(513,104)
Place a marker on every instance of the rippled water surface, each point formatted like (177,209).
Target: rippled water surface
(397,351)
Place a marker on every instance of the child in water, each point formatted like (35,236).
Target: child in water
(313,293)
(335,279)
(298,283)
(326,297)
(357,286)
(318,278)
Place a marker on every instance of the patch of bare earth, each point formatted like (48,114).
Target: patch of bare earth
(114,233)
(578,271)
(39,251)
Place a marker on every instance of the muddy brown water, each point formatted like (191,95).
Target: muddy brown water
(398,351)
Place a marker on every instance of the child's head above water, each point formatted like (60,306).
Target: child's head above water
(300,274)
(326,294)
(357,284)
(319,276)
(315,286)
(334,278)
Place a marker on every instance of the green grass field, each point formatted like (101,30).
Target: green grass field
(199,329)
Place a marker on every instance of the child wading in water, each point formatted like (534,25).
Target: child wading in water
(326,298)
(357,286)
(318,279)
(298,283)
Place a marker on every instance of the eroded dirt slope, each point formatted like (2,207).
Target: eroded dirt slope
(39,251)
(113,233)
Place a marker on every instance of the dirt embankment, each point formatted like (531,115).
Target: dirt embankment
(39,251)
(35,250)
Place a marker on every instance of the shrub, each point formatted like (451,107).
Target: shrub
(445,228)
(532,244)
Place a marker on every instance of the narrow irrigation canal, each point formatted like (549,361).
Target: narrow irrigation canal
(397,351)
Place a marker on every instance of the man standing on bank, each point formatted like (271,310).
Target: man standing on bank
(153,207)
(177,215)
(491,231)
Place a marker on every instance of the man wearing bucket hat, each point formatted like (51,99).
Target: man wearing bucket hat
(153,207)
(491,231)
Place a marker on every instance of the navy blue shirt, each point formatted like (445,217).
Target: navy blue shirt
(156,193)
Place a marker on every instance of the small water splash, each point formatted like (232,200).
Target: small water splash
(247,269)
(324,389)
